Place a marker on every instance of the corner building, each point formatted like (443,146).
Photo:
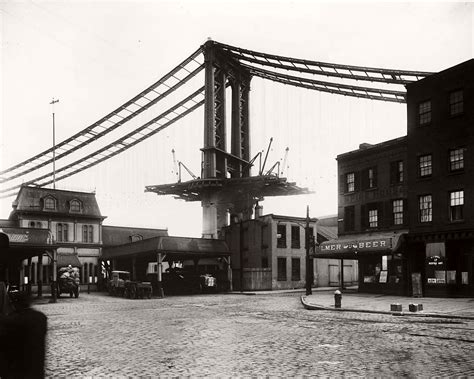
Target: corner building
(406,206)
(372,216)
(440,113)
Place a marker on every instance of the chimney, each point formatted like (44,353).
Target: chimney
(258,211)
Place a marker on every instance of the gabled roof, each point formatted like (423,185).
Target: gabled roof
(31,200)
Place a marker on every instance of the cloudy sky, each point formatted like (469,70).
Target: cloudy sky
(95,55)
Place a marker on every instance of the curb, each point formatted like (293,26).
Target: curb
(318,307)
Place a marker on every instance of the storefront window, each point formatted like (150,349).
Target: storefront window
(436,270)
(386,269)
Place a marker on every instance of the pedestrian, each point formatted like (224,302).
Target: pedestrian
(22,341)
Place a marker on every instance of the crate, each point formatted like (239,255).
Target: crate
(415,307)
(395,307)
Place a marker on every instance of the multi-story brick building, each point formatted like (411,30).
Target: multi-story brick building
(406,206)
(440,111)
(372,215)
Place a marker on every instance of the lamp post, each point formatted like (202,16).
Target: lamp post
(309,261)
(54,144)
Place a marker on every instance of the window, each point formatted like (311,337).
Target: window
(425,208)
(373,218)
(49,203)
(424,113)
(62,232)
(281,275)
(397,207)
(295,236)
(456,159)
(456,204)
(295,269)
(75,206)
(396,172)
(350,182)
(456,103)
(424,165)
(349,218)
(281,235)
(372,177)
(264,262)
(87,233)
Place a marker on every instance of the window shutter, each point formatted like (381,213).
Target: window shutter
(363,217)
(342,184)
(405,211)
(393,172)
(356,181)
(365,179)
(388,213)
(380,215)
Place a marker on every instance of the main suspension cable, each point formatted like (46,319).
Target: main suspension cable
(97,130)
(179,110)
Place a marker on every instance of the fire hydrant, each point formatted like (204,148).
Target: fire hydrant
(337,299)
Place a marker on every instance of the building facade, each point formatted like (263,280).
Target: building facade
(440,131)
(72,224)
(372,215)
(406,206)
(269,253)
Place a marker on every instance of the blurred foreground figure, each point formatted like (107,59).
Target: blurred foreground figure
(22,340)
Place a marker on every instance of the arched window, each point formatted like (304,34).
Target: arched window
(49,203)
(75,206)
(32,224)
(39,225)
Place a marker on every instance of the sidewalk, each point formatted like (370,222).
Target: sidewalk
(376,303)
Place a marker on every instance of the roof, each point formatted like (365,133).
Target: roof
(66,259)
(30,200)
(120,235)
(23,243)
(28,236)
(328,232)
(370,149)
(178,247)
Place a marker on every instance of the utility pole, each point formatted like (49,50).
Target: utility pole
(54,144)
(309,261)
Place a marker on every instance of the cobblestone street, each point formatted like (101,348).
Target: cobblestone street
(236,335)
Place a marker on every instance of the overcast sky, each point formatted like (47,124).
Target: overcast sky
(95,55)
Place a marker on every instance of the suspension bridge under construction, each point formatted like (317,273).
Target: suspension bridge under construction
(225,184)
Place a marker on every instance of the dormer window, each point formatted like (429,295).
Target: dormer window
(75,206)
(50,203)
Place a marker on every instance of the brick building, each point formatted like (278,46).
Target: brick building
(372,215)
(406,206)
(440,111)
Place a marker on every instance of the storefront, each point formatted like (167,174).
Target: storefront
(449,267)
(381,258)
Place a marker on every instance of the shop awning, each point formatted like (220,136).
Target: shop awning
(66,259)
(351,247)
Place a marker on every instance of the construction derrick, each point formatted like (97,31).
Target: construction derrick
(226,188)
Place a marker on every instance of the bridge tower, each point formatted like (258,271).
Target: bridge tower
(226,189)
